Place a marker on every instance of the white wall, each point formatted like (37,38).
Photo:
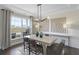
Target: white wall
(74,29)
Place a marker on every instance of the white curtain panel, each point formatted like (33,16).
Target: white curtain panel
(0,28)
(5,28)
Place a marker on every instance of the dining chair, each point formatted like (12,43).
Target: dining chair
(63,47)
(26,40)
(26,43)
(35,48)
(60,48)
(56,49)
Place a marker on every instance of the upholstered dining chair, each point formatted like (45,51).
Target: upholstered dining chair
(26,43)
(56,49)
(35,48)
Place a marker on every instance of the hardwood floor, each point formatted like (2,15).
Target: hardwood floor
(19,50)
(14,50)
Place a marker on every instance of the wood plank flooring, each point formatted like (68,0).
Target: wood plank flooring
(19,50)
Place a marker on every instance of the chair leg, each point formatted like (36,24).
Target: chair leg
(24,46)
(29,47)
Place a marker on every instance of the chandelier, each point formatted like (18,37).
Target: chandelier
(39,13)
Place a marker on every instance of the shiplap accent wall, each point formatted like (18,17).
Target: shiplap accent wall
(57,25)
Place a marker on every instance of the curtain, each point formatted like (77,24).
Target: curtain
(5,28)
(0,28)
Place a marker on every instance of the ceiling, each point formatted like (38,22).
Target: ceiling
(47,9)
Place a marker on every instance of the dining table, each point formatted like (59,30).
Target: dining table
(45,41)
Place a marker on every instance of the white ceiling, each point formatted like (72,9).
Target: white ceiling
(47,9)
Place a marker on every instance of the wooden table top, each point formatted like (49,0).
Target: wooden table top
(45,39)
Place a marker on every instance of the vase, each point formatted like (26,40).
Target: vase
(37,34)
(41,34)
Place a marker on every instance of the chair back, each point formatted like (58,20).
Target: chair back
(26,39)
(63,42)
(33,42)
(24,34)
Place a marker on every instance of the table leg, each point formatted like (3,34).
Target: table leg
(44,49)
(69,44)
(63,52)
(24,46)
(69,41)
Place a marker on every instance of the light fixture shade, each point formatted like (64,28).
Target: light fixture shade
(36,19)
(37,25)
(64,25)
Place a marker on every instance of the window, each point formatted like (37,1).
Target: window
(20,24)
(29,23)
(25,23)
(15,21)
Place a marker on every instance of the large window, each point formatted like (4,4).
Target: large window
(20,24)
